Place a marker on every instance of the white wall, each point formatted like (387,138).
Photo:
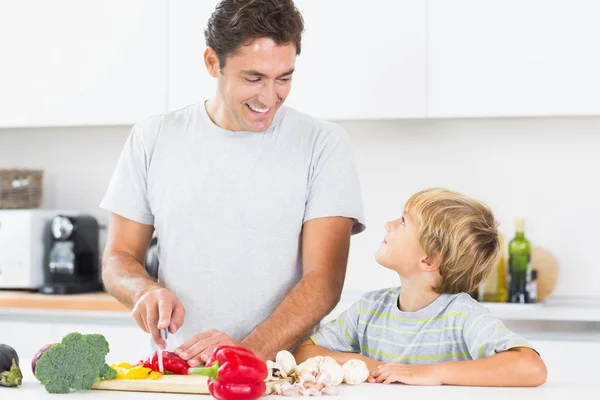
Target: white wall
(545,169)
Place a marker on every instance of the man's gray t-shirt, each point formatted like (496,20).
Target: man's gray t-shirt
(228,207)
(451,328)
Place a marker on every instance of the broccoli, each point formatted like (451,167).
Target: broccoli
(77,363)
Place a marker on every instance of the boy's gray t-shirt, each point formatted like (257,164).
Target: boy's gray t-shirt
(452,328)
(228,207)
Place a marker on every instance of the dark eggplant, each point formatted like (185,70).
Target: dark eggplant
(10,373)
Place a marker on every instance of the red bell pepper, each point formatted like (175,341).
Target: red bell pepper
(234,372)
(171,363)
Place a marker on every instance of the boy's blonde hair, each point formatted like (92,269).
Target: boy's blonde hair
(460,231)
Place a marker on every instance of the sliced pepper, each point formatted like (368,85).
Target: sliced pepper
(171,362)
(154,375)
(127,371)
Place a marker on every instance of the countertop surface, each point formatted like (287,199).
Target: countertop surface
(365,391)
(557,389)
(99,301)
(586,310)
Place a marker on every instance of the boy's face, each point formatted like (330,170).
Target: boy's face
(253,84)
(400,250)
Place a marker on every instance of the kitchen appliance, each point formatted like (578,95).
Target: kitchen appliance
(72,262)
(22,247)
(151,259)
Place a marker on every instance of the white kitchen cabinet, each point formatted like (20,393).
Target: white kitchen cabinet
(359,59)
(70,62)
(189,81)
(513,58)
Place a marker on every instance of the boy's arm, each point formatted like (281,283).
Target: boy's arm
(308,349)
(516,367)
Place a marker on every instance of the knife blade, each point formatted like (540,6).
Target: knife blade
(161,368)
(159,355)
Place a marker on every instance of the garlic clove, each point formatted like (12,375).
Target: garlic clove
(312,392)
(330,391)
(307,377)
(307,367)
(291,390)
(318,360)
(334,370)
(355,372)
(324,378)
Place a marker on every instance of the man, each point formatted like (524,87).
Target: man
(253,203)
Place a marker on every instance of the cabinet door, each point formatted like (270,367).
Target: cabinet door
(70,62)
(513,58)
(189,81)
(361,60)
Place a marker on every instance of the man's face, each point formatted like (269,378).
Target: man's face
(253,85)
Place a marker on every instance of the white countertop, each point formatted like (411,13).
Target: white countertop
(568,378)
(33,390)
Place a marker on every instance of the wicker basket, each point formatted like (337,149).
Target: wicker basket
(20,188)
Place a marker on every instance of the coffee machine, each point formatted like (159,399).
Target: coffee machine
(72,260)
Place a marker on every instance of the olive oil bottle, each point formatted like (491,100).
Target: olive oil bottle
(519,265)
(494,287)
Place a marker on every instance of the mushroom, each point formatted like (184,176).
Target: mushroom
(286,361)
(276,371)
(355,372)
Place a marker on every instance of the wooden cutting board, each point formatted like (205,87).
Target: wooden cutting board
(165,384)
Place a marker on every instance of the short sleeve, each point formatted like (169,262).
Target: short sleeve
(127,193)
(340,334)
(334,188)
(485,335)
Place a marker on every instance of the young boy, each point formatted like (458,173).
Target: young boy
(430,331)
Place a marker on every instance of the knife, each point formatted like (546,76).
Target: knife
(161,368)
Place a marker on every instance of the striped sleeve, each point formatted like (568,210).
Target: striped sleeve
(340,334)
(485,335)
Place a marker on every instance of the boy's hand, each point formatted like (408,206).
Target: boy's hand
(425,375)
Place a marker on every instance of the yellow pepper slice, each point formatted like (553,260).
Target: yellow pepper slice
(155,375)
(122,365)
(127,371)
(139,372)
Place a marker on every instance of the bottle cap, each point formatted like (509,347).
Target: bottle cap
(520,225)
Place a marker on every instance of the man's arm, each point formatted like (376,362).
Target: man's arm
(516,367)
(308,349)
(125,277)
(123,273)
(325,247)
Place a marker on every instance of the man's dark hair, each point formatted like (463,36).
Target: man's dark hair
(238,22)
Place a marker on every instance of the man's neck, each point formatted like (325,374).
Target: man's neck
(415,297)
(217,114)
